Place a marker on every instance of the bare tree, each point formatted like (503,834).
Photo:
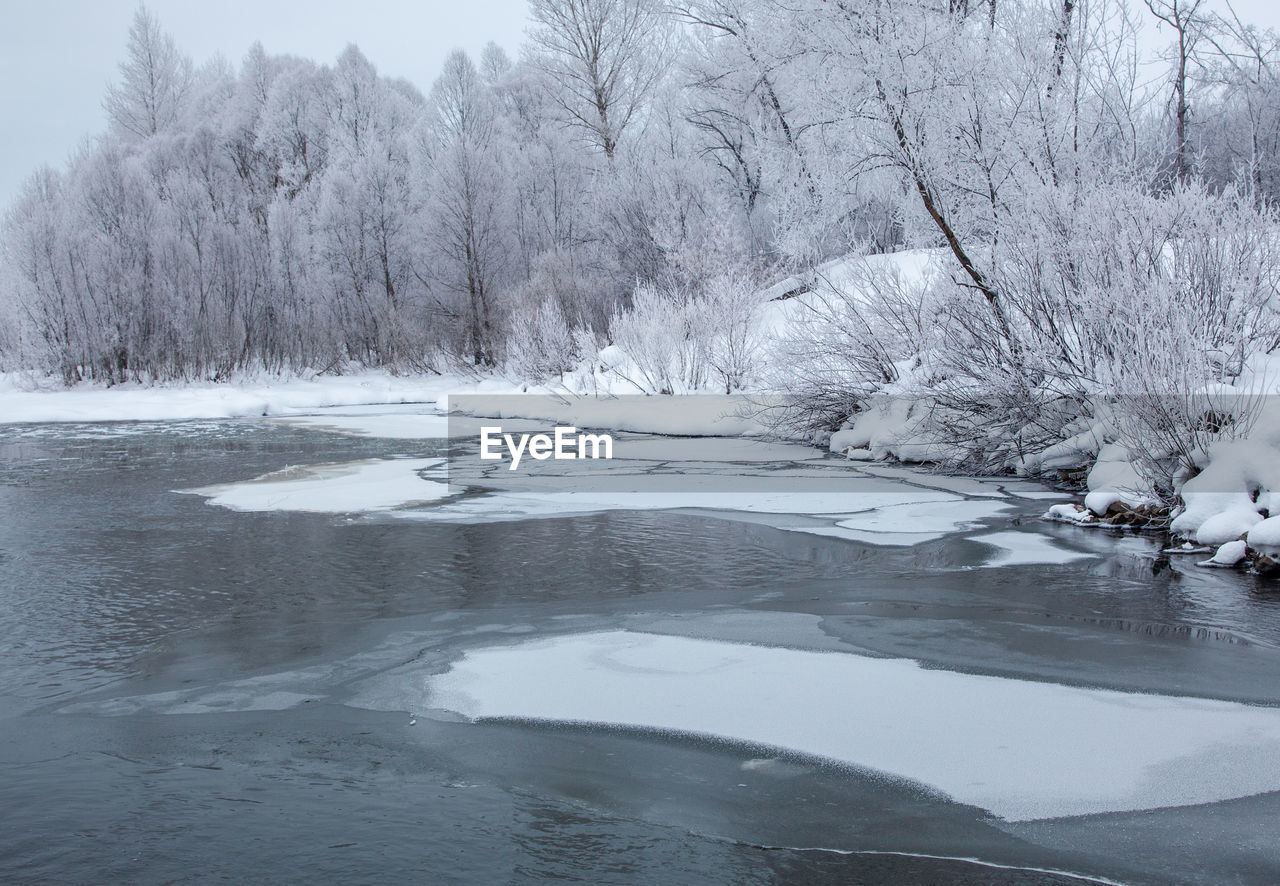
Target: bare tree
(605,57)
(465,188)
(155,80)
(1188,24)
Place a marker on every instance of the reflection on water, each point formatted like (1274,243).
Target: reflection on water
(112,586)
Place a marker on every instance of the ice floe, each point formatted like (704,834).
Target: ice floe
(1025,548)
(912,523)
(871,510)
(352,487)
(1020,749)
(948,482)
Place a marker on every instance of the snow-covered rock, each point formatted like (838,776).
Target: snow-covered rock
(1239,477)
(1227,526)
(1229,554)
(895,425)
(1114,478)
(1074,452)
(1070,513)
(1265,535)
(1101,501)
(843,441)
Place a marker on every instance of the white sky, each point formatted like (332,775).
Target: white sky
(57,56)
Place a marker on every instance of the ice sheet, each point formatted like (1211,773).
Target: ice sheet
(1021,749)
(385,424)
(910,524)
(1022,548)
(713,449)
(918,477)
(521,505)
(352,487)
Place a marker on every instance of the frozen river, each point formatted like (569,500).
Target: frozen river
(256,649)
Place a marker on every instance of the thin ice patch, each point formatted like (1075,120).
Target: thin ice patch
(1021,749)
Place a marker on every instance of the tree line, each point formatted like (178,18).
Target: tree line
(644,167)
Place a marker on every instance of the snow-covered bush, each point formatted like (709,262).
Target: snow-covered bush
(540,343)
(655,333)
(849,336)
(730,308)
(678,340)
(1124,316)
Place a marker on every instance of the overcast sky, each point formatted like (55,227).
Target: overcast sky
(57,56)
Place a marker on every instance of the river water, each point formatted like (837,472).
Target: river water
(192,693)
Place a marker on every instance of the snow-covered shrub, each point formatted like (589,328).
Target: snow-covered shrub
(678,340)
(859,329)
(1124,308)
(1122,317)
(539,342)
(1177,319)
(655,334)
(730,306)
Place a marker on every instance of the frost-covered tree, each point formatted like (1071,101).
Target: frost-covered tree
(604,58)
(739,94)
(1188,22)
(650,165)
(466,187)
(155,80)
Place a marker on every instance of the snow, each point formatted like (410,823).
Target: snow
(1265,535)
(698,415)
(1075,451)
(1069,513)
(1113,478)
(1227,525)
(896,427)
(298,400)
(86,403)
(910,524)
(1238,479)
(1020,749)
(1229,554)
(1099,502)
(912,267)
(375,485)
(1025,548)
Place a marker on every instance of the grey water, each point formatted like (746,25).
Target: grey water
(116,587)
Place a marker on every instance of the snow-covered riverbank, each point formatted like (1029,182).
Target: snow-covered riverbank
(28,400)
(1230,507)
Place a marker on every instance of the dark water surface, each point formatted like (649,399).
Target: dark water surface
(114,587)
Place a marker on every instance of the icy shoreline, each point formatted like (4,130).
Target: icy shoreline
(19,403)
(1232,502)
